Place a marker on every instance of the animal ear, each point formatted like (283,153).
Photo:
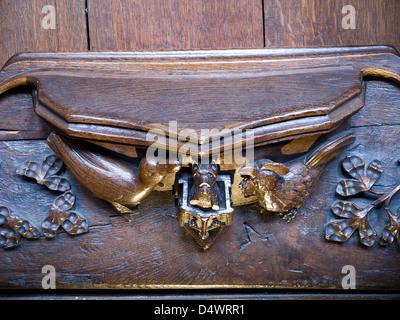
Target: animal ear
(278,168)
(214,165)
(249,169)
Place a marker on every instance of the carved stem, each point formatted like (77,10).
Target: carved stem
(387,196)
(392,193)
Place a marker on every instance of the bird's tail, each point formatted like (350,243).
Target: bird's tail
(331,149)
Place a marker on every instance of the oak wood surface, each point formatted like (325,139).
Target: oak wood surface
(21,31)
(273,84)
(152,251)
(174,24)
(310,23)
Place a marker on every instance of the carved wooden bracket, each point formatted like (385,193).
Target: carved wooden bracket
(290,108)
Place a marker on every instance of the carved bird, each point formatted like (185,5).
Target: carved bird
(283,188)
(108,178)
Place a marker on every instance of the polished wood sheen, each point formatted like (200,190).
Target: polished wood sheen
(77,103)
(146,84)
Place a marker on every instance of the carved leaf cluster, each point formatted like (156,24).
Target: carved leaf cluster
(392,231)
(12,228)
(355,218)
(363,180)
(46,174)
(60,216)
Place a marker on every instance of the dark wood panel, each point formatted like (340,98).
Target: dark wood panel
(152,251)
(175,24)
(382,105)
(257,250)
(310,23)
(120,93)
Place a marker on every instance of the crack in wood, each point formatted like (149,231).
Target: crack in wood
(250,236)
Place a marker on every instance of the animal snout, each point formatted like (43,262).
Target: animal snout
(204,186)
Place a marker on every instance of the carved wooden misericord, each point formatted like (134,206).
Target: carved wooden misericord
(291,109)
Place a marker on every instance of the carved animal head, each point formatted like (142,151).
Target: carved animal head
(247,187)
(170,167)
(262,175)
(204,176)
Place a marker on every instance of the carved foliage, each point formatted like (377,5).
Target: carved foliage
(12,228)
(355,218)
(60,216)
(363,180)
(46,173)
(392,231)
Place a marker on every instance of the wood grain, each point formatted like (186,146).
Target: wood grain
(21,31)
(382,105)
(310,23)
(175,24)
(113,97)
(258,250)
